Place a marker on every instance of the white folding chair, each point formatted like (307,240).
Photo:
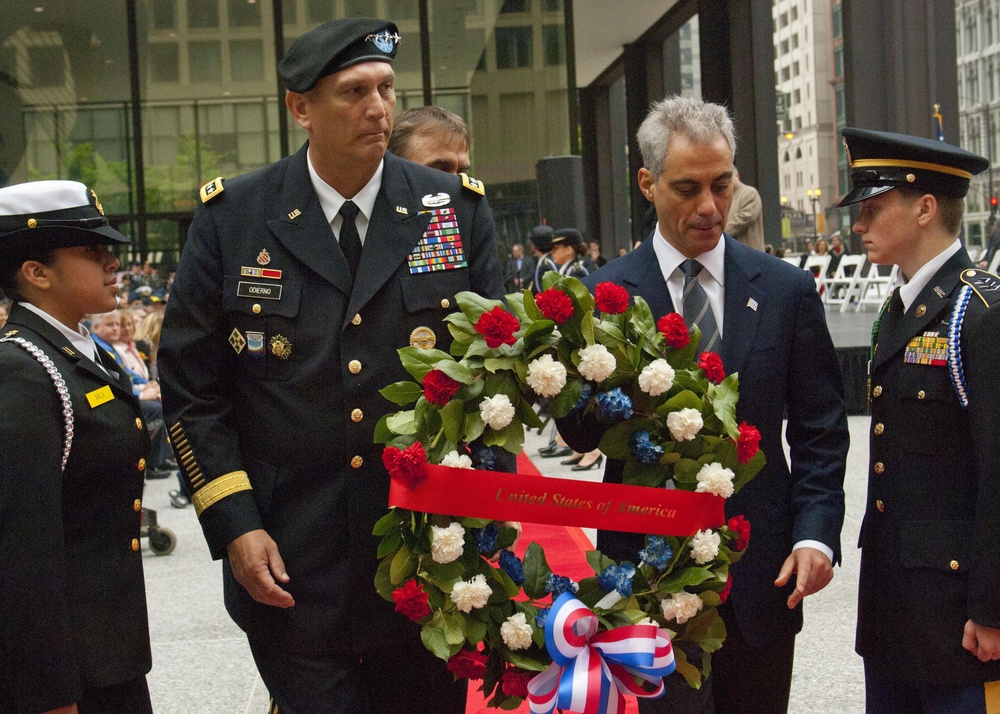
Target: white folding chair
(841,286)
(792,260)
(817,265)
(995,263)
(876,285)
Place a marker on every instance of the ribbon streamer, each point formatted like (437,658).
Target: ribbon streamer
(591,671)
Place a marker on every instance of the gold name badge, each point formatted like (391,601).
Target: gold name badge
(100,396)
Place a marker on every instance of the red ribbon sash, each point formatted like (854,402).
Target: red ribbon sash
(556,501)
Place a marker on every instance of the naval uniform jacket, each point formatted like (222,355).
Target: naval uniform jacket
(72,596)
(270,384)
(930,556)
(777,339)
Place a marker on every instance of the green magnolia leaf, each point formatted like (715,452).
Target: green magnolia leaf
(400,423)
(459,326)
(497,364)
(418,362)
(651,475)
(443,575)
(745,472)
(517,303)
(536,571)
(456,370)
(389,544)
(598,561)
(685,578)
(528,416)
(687,670)
(474,426)
(684,400)
(473,306)
(539,334)
(452,419)
(529,660)
(402,393)
(615,442)
(563,403)
(454,628)
(609,334)
(642,320)
(402,566)
(587,326)
(549,279)
(383,584)
(475,630)
(724,406)
(389,523)
(433,636)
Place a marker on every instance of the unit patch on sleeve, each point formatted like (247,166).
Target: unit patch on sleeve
(440,248)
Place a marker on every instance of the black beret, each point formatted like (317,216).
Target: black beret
(53,214)
(882,160)
(567,236)
(334,46)
(541,238)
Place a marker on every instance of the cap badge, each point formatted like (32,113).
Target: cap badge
(423,338)
(97,204)
(436,200)
(263,258)
(910,178)
(384,41)
(281,347)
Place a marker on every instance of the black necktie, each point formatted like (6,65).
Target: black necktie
(697,308)
(350,241)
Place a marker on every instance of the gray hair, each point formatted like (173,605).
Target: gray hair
(98,318)
(700,121)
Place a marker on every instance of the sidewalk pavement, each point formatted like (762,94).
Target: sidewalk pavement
(202,665)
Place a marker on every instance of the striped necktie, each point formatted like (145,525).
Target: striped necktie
(697,308)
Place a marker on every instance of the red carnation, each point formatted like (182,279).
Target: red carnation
(408,465)
(741,527)
(514,682)
(748,443)
(439,388)
(724,593)
(498,327)
(611,298)
(673,328)
(411,600)
(555,305)
(468,664)
(711,365)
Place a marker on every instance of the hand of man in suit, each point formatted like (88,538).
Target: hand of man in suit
(257,565)
(982,641)
(813,570)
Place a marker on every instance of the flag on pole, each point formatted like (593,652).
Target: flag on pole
(937,123)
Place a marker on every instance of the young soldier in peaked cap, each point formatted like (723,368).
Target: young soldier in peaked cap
(929,610)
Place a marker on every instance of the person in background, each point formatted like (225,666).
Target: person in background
(928,610)
(147,340)
(746,217)
(569,252)
(434,137)
(520,270)
(4,312)
(74,632)
(596,259)
(126,346)
(541,246)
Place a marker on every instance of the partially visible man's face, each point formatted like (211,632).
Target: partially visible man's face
(692,194)
(3,315)
(886,225)
(440,150)
(110,328)
(516,251)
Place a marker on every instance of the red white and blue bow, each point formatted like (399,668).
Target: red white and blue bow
(591,671)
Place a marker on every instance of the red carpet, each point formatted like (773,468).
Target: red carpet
(565,549)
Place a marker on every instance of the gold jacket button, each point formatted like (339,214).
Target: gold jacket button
(141,465)
(880,506)
(879,468)
(356,320)
(879,429)
(953,565)
(357,415)
(138,423)
(877,392)
(357,461)
(137,505)
(135,544)
(354,366)
(445,303)
(256,308)
(921,394)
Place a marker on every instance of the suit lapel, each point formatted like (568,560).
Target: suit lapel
(744,302)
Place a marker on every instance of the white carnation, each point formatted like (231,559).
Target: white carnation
(497,411)
(705,546)
(681,606)
(714,478)
(646,621)
(456,460)
(656,377)
(685,424)
(447,543)
(546,376)
(516,632)
(596,363)
(471,594)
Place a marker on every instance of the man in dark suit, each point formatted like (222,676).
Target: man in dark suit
(520,269)
(929,596)
(298,285)
(773,333)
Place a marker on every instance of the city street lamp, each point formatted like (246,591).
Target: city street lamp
(814,194)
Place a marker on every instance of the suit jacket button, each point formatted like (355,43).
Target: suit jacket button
(953,565)
(921,394)
(879,468)
(357,462)
(141,465)
(138,423)
(137,505)
(880,506)
(879,429)
(877,392)
(357,415)
(356,320)
(135,544)
(354,366)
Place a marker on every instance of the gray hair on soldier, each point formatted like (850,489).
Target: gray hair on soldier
(700,121)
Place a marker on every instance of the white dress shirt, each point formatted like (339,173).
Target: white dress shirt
(331,200)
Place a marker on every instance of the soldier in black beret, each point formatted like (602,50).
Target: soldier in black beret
(929,596)
(297,286)
(74,635)
(541,245)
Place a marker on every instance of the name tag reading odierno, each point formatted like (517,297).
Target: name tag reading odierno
(100,396)
(263,291)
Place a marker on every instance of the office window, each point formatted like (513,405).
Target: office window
(783,20)
(552,6)
(554,45)
(795,69)
(246,60)
(203,14)
(838,29)
(164,62)
(48,66)
(205,60)
(784,47)
(243,13)
(795,41)
(514,6)
(795,13)
(513,47)
(162,14)
(796,97)
(838,61)
(786,74)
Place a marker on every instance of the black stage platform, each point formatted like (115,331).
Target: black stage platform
(852,333)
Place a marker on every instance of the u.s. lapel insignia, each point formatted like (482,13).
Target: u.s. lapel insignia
(436,200)
(255,343)
(263,258)
(294,214)
(402,210)
(423,338)
(237,341)
(281,347)
(752,304)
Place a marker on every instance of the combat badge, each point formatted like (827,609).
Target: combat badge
(423,338)
(263,258)
(237,341)
(473,185)
(281,347)
(211,189)
(436,200)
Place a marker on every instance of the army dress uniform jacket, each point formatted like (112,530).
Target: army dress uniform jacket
(270,384)
(930,550)
(72,596)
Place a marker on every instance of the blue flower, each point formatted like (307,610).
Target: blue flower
(512,566)
(588,389)
(485,458)
(657,552)
(645,451)
(614,404)
(486,539)
(542,617)
(617,578)
(559,584)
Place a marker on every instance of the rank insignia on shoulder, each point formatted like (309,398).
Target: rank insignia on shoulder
(281,347)
(436,200)
(986,285)
(473,185)
(211,189)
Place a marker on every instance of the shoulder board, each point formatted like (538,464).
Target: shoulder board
(211,189)
(473,185)
(985,285)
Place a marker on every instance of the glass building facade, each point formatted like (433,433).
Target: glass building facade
(146,100)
